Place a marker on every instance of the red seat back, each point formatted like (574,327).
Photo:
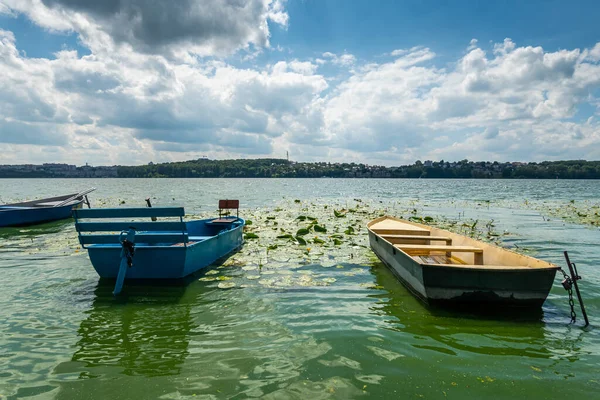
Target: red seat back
(229,204)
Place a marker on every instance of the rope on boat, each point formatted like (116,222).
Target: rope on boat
(129,251)
(568,283)
(127,240)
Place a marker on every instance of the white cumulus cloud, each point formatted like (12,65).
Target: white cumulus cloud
(138,97)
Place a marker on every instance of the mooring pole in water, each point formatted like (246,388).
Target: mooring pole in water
(574,278)
(150,206)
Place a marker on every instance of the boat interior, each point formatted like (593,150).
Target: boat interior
(109,224)
(432,246)
(201,230)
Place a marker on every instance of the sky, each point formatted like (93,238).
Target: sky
(126,82)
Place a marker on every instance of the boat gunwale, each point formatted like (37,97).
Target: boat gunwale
(470,267)
(33,204)
(177,246)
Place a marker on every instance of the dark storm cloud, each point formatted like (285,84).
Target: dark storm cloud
(151,26)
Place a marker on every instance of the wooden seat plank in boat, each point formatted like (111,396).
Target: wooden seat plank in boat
(436,247)
(438,259)
(478,252)
(398,238)
(505,267)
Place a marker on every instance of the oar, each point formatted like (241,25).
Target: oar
(62,203)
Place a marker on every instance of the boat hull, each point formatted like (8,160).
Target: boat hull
(166,262)
(449,286)
(32,216)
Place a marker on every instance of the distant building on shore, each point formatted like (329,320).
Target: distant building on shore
(56,170)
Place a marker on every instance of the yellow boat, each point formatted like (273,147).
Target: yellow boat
(446,268)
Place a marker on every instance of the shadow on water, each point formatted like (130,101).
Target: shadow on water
(479,312)
(144,333)
(513,332)
(35,230)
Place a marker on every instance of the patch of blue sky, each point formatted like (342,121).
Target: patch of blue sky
(367,29)
(586,110)
(35,42)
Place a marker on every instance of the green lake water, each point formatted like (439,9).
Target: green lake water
(279,320)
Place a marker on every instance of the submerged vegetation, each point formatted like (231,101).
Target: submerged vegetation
(581,212)
(310,234)
(280,241)
(289,244)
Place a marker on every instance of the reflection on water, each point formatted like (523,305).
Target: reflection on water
(34,230)
(146,335)
(331,322)
(539,344)
(508,332)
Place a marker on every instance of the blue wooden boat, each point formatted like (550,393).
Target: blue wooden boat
(43,210)
(127,247)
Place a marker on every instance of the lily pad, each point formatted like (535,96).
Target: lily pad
(319,228)
(226,285)
(302,232)
(339,214)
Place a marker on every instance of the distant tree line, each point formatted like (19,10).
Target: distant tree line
(280,168)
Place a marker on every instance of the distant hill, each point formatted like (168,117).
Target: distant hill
(280,168)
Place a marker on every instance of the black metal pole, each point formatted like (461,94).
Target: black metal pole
(575,278)
(150,206)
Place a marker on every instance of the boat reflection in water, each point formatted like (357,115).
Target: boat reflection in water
(458,351)
(457,330)
(145,333)
(29,232)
